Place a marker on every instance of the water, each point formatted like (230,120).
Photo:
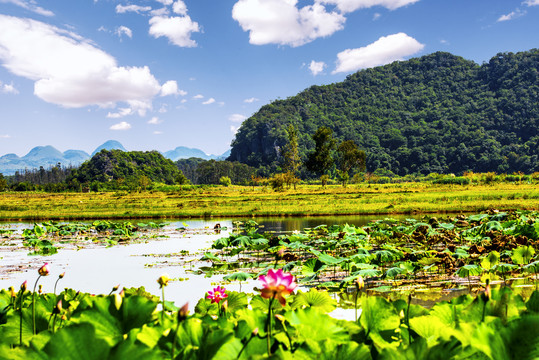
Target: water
(98,269)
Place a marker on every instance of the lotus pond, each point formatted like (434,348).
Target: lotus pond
(459,286)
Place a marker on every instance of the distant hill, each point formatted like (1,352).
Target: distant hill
(182,152)
(47,156)
(109,145)
(438,113)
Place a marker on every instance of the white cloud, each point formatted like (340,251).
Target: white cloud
(121,126)
(346,6)
(209,101)
(250,100)
(512,15)
(124,30)
(120,113)
(155,121)
(183,101)
(69,70)
(29,5)
(8,89)
(4,136)
(165,2)
(178,30)
(198,96)
(179,8)
(376,16)
(157,132)
(237,118)
(282,22)
(163,109)
(120,9)
(317,67)
(171,88)
(531,2)
(383,51)
(234,129)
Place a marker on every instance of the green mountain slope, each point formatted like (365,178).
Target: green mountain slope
(129,166)
(438,113)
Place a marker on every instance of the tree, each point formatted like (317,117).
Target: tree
(320,160)
(291,158)
(349,157)
(3,182)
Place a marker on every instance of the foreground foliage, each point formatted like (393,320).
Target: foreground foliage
(131,325)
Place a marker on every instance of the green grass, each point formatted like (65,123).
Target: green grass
(241,201)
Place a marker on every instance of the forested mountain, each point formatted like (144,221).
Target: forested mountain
(117,165)
(438,113)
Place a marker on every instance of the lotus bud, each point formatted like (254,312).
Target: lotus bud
(117,301)
(224,306)
(58,308)
(360,284)
(255,332)
(183,312)
(163,280)
(280,318)
(61,276)
(12,292)
(115,288)
(24,286)
(64,318)
(280,253)
(40,289)
(44,270)
(122,293)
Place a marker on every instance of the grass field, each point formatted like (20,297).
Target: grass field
(238,201)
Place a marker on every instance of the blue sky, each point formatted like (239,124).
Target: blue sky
(162,74)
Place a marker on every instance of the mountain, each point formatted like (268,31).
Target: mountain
(109,145)
(76,156)
(182,152)
(47,156)
(437,113)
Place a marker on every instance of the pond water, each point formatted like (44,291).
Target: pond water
(97,269)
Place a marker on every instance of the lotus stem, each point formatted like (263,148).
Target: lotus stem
(20,309)
(268,325)
(33,306)
(163,302)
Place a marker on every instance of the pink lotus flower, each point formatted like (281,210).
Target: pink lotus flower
(217,294)
(277,284)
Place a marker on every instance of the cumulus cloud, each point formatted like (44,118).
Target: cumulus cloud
(121,9)
(317,67)
(177,29)
(29,5)
(69,70)
(234,129)
(121,126)
(120,113)
(209,101)
(512,15)
(250,100)
(531,2)
(198,96)
(346,6)
(8,89)
(165,2)
(383,51)
(171,88)
(282,22)
(179,8)
(124,30)
(237,118)
(155,121)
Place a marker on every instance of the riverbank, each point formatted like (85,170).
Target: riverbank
(242,201)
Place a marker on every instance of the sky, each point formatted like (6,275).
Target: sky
(157,74)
